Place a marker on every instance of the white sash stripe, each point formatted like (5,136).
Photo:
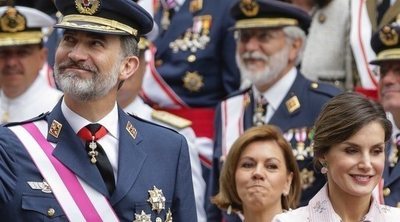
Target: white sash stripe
(156,89)
(50,175)
(232,118)
(101,204)
(360,36)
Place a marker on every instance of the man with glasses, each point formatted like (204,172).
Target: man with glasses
(270,41)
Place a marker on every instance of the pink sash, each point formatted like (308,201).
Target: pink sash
(79,201)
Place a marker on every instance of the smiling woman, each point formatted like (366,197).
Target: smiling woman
(260,177)
(349,148)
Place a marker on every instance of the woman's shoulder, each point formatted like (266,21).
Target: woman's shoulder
(299,214)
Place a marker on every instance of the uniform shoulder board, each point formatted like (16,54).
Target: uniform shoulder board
(40,117)
(324,88)
(170,119)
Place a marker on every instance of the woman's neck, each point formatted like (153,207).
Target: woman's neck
(341,200)
(264,215)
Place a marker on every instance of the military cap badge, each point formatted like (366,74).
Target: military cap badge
(249,8)
(12,21)
(88,7)
(389,36)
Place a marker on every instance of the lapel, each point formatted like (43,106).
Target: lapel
(180,22)
(372,13)
(394,175)
(390,14)
(71,152)
(130,158)
(282,117)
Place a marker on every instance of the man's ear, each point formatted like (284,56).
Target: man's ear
(297,44)
(128,67)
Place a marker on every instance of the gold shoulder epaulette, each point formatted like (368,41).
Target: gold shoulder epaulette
(171,119)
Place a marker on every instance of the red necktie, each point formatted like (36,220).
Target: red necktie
(91,133)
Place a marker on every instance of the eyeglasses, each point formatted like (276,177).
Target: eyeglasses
(262,35)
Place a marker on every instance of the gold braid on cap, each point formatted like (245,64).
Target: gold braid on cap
(99,23)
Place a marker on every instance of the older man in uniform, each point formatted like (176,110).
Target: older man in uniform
(194,64)
(25,93)
(87,160)
(270,41)
(386,44)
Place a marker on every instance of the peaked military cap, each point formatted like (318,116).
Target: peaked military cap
(268,14)
(22,25)
(119,17)
(386,43)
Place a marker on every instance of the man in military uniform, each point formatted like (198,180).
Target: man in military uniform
(25,91)
(194,64)
(270,40)
(55,165)
(386,44)
(130,101)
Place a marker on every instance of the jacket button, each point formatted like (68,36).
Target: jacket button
(386,192)
(51,212)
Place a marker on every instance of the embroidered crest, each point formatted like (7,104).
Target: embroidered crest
(131,130)
(12,21)
(156,199)
(249,8)
(142,217)
(88,7)
(320,207)
(193,81)
(55,128)
(389,36)
(293,104)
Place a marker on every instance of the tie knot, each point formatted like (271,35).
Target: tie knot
(92,132)
(262,100)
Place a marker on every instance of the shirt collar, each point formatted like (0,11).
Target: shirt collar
(279,90)
(110,121)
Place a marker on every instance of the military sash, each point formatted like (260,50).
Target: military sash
(155,90)
(360,36)
(232,113)
(79,201)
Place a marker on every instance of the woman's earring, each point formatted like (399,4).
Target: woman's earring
(324,168)
(229,210)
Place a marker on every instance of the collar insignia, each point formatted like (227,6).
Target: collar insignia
(55,128)
(293,104)
(131,130)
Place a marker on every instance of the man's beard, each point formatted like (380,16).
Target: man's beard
(276,64)
(97,86)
